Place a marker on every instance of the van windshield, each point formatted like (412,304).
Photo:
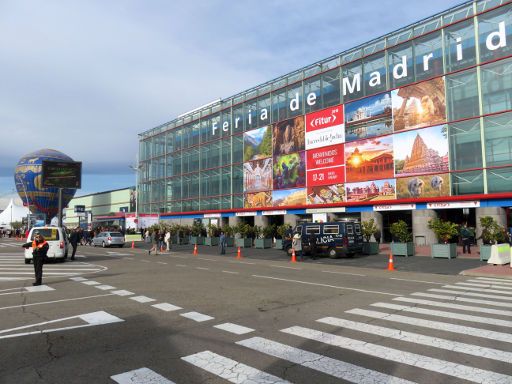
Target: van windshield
(49,234)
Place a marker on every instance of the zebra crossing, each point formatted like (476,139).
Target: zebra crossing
(443,335)
(13,268)
(11,244)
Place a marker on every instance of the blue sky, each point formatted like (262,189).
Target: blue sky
(85,77)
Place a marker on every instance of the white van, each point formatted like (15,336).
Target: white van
(57,241)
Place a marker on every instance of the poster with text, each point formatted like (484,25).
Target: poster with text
(258,143)
(369,117)
(258,175)
(288,136)
(289,197)
(423,186)
(369,159)
(371,190)
(325,127)
(419,105)
(325,176)
(421,151)
(325,157)
(290,171)
(326,194)
(258,200)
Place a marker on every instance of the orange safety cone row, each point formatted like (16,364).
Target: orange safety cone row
(294,258)
(239,253)
(195,249)
(391,266)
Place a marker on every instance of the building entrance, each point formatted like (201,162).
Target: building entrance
(391,217)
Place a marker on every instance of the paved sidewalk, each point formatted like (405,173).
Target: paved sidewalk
(490,270)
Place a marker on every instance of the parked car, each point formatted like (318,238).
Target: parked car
(108,239)
(57,242)
(332,239)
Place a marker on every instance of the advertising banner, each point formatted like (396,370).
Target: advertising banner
(325,127)
(369,159)
(394,207)
(258,144)
(325,157)
(419,105)
(454,204)
(290,171)
(258,175)
(371,190)
(423,186)
(258,200)
(289,197)
(326,194)
(288,136)
(326,176)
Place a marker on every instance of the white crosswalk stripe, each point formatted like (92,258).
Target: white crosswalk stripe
(454,306)
(475,289)
(472,294)
(140,376)
(464,299)
(484,285)
(499,281)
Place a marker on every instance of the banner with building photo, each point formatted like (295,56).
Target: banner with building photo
(326,194)
(369,159)
(419,105)
(290,171)
(258,175)
(423,186)
(375,190)
(288,136)
(289,197)
(258,199)
(258,143)
(369,117)
(421,151)
(325,127)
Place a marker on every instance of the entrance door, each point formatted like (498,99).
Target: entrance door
(391,217)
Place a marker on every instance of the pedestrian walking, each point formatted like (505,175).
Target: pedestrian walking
(222,243)
(161,241)
(167,240)
(154,236)
(312,245)
(74,238)
(39,256)
(466,234)
(297,245)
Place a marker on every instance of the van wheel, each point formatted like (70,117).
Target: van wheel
(27,261)
(331,252)
(103,244)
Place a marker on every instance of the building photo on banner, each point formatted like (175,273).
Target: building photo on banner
(393,145)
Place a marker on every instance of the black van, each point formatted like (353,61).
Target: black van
(333,239)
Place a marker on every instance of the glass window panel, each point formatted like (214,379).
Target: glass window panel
(279,105)
(177,139)
(176,164)
(352,79)
(225,202)
(194,185)
(295,100)
(226,152)
(238,119)
(462,95)
(225,123)
(459,14)
(499,180)
(238,201)
(194,160)
(331,88)
(226,181)
(459,42)
(185,186)
(498,139)
(428,56)
(251,114)
(465,145)
(238,148)
(238,182)
(427,26)
(400,62)
(375,70)
(313,86)
(497,86)
(185,156)
(495,33)
(264,112)
(204,130)
(467,183)
(170,142)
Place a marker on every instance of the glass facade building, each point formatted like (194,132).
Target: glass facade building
(420,115)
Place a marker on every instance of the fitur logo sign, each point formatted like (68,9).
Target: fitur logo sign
(493,41)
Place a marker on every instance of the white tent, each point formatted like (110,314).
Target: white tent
(12,213)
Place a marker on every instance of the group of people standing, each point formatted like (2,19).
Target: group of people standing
(297,245)
(160,240)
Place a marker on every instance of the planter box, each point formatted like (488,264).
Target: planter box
(243,243)
(402,249)
(485,252)
(444,251)
(279,244)
(371,248)
(211,241)
(230,241)
(199,240)
(263,243)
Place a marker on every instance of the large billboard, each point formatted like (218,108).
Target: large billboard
(325,127)
(290,171)
(288,136)
(258,175)
(258,144)
(417,187)
(371,190)
(369,159)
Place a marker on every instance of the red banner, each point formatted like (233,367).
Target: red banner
(325,157)
(326,176)
(325,118)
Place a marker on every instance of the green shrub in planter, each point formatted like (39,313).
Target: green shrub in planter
(444,230)
(404,246)
(369,228)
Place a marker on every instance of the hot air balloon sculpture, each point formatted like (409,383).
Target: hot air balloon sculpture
(28,179)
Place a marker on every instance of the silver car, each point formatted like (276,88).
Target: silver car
(108,239)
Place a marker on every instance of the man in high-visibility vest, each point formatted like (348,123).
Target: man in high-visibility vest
(39,253)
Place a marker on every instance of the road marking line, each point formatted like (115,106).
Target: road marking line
(78,278)
(11,289)
(241,262)
(122,292)
(104,287)
(323,285)
(344,273)
(283,266)
(142,299)
(167,307)
(413,359)
(234,328)
(161,262)
(14,278)
(416,281)
(416,338)
(475,289)
(179,257)
(144,261)
(337,368)
(486,286)
(90,282)
(92,319)
(45,273)
(203,268)
(140,376)
(472,294)
(499,312)
(181,265)
(196,316)
(39,288)
(46,269)
(449,315)
(204,258)
(233,273)
(55,301)
(231,370)
(499,281)
(436,325)
(464,299)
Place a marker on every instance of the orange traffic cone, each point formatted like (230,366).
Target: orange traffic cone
(238,253)
(391,266)
(195,249)
(294,258)
(133,244)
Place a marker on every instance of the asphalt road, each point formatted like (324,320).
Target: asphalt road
(121,315)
